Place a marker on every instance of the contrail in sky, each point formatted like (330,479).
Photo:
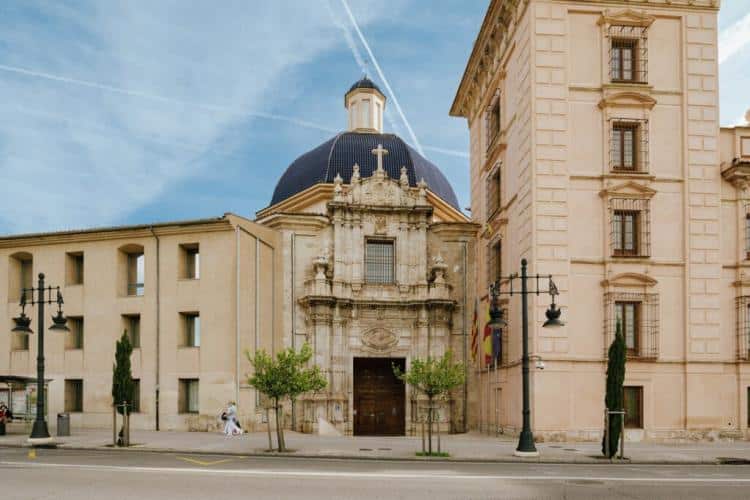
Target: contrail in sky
(158,98)
(209,107)
(734,38)
(382,76)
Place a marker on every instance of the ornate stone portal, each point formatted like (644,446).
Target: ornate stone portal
(348,317)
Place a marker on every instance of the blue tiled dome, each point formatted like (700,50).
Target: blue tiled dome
(339,154)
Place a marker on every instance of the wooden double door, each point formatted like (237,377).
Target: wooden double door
(379,397)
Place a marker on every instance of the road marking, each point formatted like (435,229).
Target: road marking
(32,453)
(204,463)
(370,475)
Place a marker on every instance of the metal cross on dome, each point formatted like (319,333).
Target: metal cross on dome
(380,152)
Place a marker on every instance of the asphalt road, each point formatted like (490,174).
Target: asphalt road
(110,475)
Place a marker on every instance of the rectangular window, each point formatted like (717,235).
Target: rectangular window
(379,261)
(132,325)
(136,408)
(74,268)
(494,192)
(625,146)
(366,113)
(74,338)
(190,265)
(494,261)
(626,228)
(747,235)
(136,274)
(624,59)
(627,314)
(20,341)
(494,122)
(27,275)
(191,329)
(188,395)
(633,398)
(74,395)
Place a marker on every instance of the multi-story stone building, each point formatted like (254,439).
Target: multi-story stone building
(362,253)
(595,154)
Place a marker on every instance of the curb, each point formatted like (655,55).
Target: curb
(307,456)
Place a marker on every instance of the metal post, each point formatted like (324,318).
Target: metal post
(40,430)
(622,435)
(606,432)
(526,439)
(114,424)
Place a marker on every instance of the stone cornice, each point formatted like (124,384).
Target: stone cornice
(500,23)
(628,100)
(115,233)
(628,189)
(295,221)
(627,17)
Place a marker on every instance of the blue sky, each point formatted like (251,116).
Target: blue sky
(142,111)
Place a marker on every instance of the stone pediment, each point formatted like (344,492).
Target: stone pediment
(629,280)
(628,100)
(380,190)
(629,189)
(627,17)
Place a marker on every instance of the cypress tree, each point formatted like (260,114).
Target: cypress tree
(123,388)
(613,400)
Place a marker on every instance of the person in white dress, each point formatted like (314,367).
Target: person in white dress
(231,423)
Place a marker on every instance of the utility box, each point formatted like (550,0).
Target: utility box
(63,424)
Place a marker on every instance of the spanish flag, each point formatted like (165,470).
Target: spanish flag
(475,334)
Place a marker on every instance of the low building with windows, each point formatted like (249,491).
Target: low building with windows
(596,153)
(362,253)
(193,296)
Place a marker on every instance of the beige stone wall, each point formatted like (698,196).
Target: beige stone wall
(101,301)
(696,235)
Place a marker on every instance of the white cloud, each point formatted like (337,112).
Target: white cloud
(153,86)
(734,38)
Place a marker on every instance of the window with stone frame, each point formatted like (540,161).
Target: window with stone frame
(638,314)
(747,231)
(379,261)
(494,261)
(493,120)
(633,403)
(743,328)
(629,227)
(73,395)
(628,148)
(494,191)
(628,54)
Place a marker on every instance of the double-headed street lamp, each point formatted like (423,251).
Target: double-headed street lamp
(526,440)
(40,433)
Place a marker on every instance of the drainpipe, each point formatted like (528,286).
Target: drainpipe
(237,317)
(158,326)
(465,339)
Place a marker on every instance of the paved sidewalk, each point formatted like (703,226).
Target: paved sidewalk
(462,447)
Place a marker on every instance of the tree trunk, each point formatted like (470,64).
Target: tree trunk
(279,430)
(429,428)
(268,427)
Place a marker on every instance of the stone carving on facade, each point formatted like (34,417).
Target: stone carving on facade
(379,339)
(404,179)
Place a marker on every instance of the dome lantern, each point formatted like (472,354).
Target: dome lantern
(365,104)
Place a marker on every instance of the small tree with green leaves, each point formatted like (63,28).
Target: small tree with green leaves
(613,400)
(435,378)
(123,388)
(286,376)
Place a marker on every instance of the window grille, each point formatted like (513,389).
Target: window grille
(379,262)
(628,54)
(494,261)
(743,328)
(645,322)
(494,192)
(628,145)
(629,227)
(747,231)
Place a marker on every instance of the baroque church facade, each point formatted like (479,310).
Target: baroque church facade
(379,271)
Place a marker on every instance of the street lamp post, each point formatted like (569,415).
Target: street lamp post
(526,445)
(39,433)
